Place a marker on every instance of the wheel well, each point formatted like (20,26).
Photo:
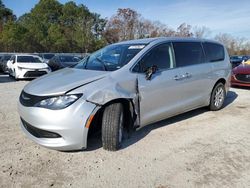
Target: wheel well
(222,80)
(96,124)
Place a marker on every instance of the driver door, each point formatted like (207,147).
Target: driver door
(160,97)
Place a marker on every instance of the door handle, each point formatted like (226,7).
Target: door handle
(176,77)
(183,76)
(188,75)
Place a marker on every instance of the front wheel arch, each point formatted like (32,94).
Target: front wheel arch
(130,116)
(129,110)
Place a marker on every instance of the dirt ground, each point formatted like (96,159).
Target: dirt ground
(196,149)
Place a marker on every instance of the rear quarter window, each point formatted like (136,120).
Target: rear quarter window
(214,52)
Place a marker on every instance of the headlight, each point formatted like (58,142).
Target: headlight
(57,103)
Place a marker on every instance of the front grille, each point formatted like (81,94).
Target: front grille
(30,100)
(34,73)
(243,77)
(39,133)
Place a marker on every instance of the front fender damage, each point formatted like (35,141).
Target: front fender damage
(110,89)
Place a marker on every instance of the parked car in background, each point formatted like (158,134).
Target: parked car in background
(60,61)
(247,62)
(46,56)
(3,62)
(236,60)
(1,55)
(124,86)
(27,66)
(241,75)
(245,58)
(81,56)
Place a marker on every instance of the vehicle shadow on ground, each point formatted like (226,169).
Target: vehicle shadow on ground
(231,96)
(4,78)
(94,142)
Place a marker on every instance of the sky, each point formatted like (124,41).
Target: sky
(220,16)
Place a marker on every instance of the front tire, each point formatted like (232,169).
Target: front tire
(112,126)
(217,97)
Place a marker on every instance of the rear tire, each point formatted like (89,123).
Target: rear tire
(112,126)
(217,97)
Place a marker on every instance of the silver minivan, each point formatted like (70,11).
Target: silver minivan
(122,87)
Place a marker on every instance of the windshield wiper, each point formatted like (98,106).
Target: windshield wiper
(102,62)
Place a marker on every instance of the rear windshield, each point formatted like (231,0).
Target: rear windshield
(28,59)
(69,59)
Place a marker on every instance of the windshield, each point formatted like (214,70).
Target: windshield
(7,57)
(68,59)
(110,58)
(48,56)
(28,59)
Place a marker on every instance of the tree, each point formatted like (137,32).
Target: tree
(5,15)
(13,37)
(53,27)
(234,45)
(122,26)
(127,24)
(184,30)
(201,32)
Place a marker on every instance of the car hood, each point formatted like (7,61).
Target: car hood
(59,82)
(242,69)
(32,65)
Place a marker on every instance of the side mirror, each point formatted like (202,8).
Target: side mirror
(150,71)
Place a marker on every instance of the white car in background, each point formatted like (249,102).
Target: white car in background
(27,66)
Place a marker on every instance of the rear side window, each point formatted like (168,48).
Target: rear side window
(188,53)
(214,52)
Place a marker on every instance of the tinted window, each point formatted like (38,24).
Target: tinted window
(214,52)
(28,59)
(236,58)
(6,57)
(160,56)
(69,59)
(48,56)
(188,53)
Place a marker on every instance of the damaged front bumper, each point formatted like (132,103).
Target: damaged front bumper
(63,129)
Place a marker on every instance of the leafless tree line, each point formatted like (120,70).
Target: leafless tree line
(128,24)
